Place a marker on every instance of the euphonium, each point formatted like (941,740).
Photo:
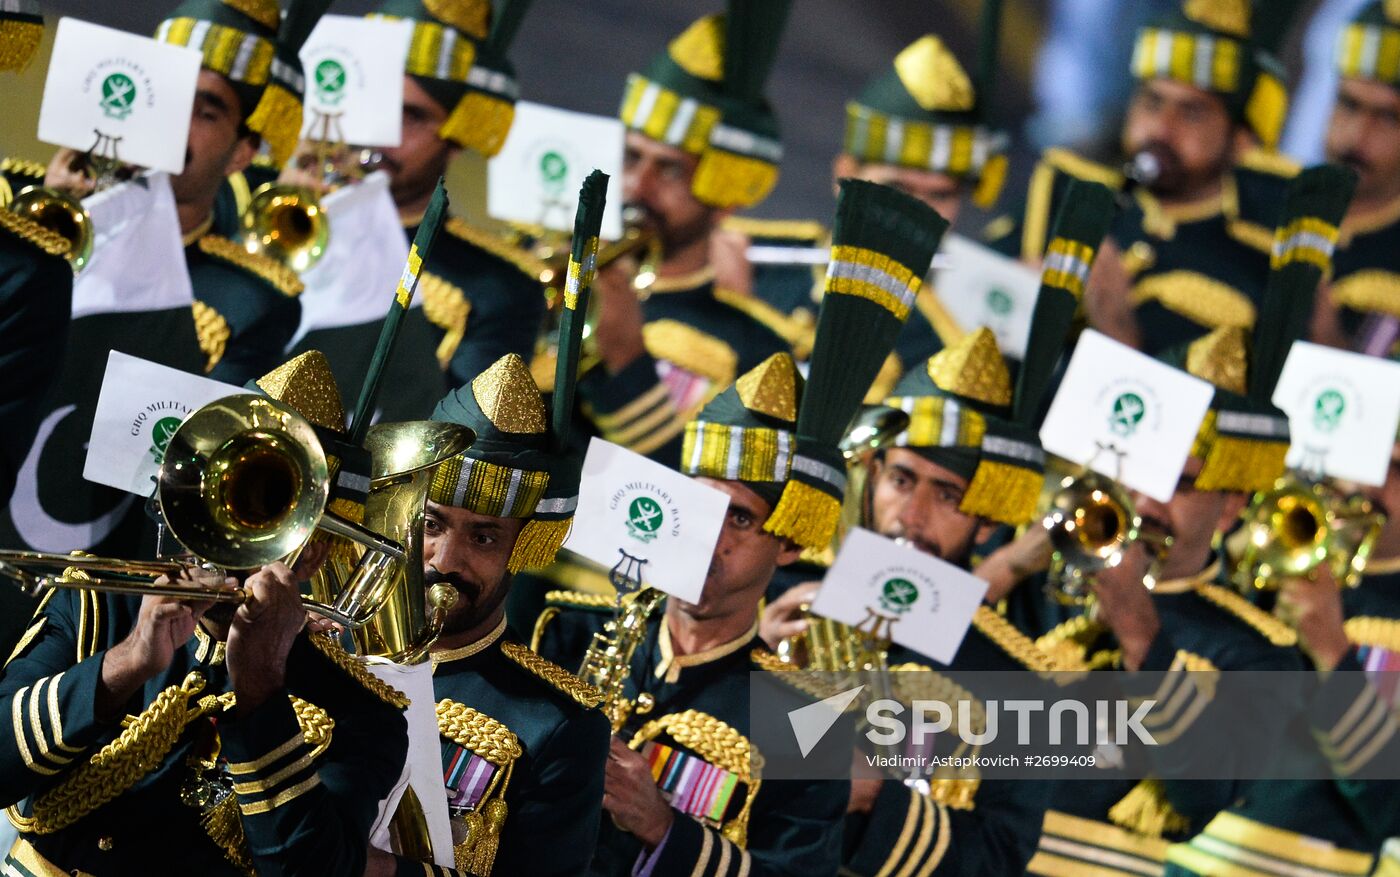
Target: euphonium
(286,223)
(61,214)
(608,661)
(1295,527)
(1091,522)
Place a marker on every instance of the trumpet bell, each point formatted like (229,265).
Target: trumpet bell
(61,214)
(1091,522)
(286,223)
(244,482)
(873,429)
(1356,525)
(1288,534)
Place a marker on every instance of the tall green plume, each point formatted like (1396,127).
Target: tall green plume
(506,18)
(751,34)
(583,258)
(298,23)
(1317,201)
(988,44)
(1079,228)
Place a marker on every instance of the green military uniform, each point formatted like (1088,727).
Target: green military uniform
(292,785)
(1199,266)
(1364,280)
(523,747)
(702,95)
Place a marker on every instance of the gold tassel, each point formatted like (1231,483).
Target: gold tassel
(990,184)
(539,541)
(278,119)
(18,42)
(1241,464)
(1003,492)
(805,515)
(477,853)
(736,830)
(479,122)
(724,179)
(224,826)
(1266,110)
(1145,810)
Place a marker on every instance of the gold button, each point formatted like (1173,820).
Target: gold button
(104,844)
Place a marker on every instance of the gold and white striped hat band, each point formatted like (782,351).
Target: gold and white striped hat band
(958,150)
(1208,62)
(737,453)
(667,116)
(1368,51)
(488,488)
(938,422)
(242,57)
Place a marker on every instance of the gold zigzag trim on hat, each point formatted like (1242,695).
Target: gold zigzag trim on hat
(1226,16)
(1221,357)
(771,387)
(508,397)
(274,273)
(699,50)
(1196,297)
(496,246)
(933,76)
(264,12)
(973,368)
(27,229)
(581,692)
(472,17)
(305,383)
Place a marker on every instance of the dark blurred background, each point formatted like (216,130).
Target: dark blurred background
(576,53)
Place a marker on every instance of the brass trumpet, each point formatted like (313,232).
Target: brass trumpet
(1091,522)
(1297,526)
(286,223)
(61,214)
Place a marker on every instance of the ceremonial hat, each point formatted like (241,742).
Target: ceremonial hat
(458,55)
(704,94)
(1213,45)
(963,412)
(924,112)
(522,464)
(257,50)
(21,30)
(882,242)
(1369,46)
(1244,438)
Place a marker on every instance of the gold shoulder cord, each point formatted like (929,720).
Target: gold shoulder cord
(581,692)
(1019,646)
(27,229)
(279,276)
(493,741)
(1368,630)
(496,246)
(326,644)
(1275,631)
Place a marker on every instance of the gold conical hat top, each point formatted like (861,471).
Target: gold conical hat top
(1226,16)
(471,17)
(699,50)
(264,12)
(1222,358)
(306,384)
(771,387)
(973,368)
(933,76)
(507,395)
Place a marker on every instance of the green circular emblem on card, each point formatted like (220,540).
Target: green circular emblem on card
(644,518)
(898,595)
(118,95)
(554,169)
(161,432)
(330,81)
(1128,411)
(999,302)
(1328,409)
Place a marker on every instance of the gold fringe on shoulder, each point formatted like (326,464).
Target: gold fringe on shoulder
(28,230)
(1145,810)
(691,349)
(274,273)
(496,246)
(1275,631)
(581,692)
(327,645)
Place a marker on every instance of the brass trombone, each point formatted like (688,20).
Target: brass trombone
(1297,526)
(61,214)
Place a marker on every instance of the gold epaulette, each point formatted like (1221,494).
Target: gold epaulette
(693,350)
(32,232)
(327,645)
(580,599)
(273,272)
(316,724)
(1275,631)
(477,732)
(1373,289)
(1199,298)
(581,692)
(799,335)
(23,167)
(1274,163)
(1374,631)
(1147,811)
(1251,234)
(1070,640)
(497,246)
(814,684)
(446,306)
(1082,168)
(790,229)
(1020,647)
(212,330)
